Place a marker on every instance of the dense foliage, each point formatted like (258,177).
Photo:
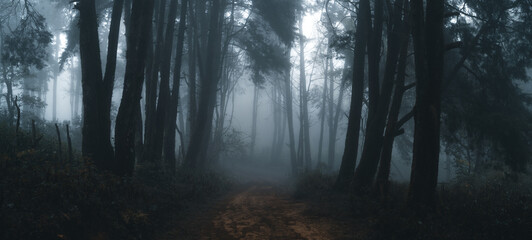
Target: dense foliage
(487,115)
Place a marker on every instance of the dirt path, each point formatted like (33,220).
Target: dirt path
(260,211)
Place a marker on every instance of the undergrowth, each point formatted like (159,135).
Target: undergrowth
(44,198)
(491,206)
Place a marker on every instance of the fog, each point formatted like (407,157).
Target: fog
(242,109)
(315,26)
(265,119)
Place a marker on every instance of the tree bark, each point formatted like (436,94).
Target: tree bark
(59,152)
(126,120)
(69,141)
(323,104)
(353,126)
(289,115)
(170,130)
(96,143)
(307,157)
(254,119)
(280,122)
(139,135)
(9,96)
(154,144)
(382,180)
(369,160)
(192,60)
(77,95)
(276,123)
(152,80)
(428,45)
(374,59)
(54,90)
(199,142)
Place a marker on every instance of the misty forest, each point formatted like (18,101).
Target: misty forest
(265,119)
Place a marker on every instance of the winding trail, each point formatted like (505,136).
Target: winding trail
(260,211)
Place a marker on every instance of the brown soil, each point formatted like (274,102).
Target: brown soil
(260,211)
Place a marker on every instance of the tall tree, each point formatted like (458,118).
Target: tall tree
(323,103)
(199,142)
(170,129)
(23,50)
(192,65)
(378,111)
(152,82)
(97,89)
(154,140)
(476,88)
(126,120)
(280,121)
(254,119)
(281,18)
(289,114)
(55,76)
(304,125)
(427,35)
(353,126)
(393,123)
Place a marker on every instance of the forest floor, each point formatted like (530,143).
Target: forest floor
(262,206)
(261,210)
(42,197)
(265,203)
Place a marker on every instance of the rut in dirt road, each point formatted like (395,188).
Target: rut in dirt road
(265,212)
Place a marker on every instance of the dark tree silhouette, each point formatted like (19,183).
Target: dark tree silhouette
(349,158)
(126,120)
(427,35)
(97,90)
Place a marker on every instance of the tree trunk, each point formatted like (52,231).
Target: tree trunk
(96,107)
(72,93)
(225,89)
(77,94)
(152,80)
(323,105)
(280,122)
(192,60)
(170,130)
(9,96)
(428,45)
(126,120)
(69,141)
(353,126)
(59,151)
(276,124)
(54,100)
(110,65)
(127,15)
(335,110)
(382,180)
(374,59)
(289,115)
(182,126)
(154,144)
(139,135)
(54,90)
(369,160)
(199,142)
(254,120)
(307,157)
